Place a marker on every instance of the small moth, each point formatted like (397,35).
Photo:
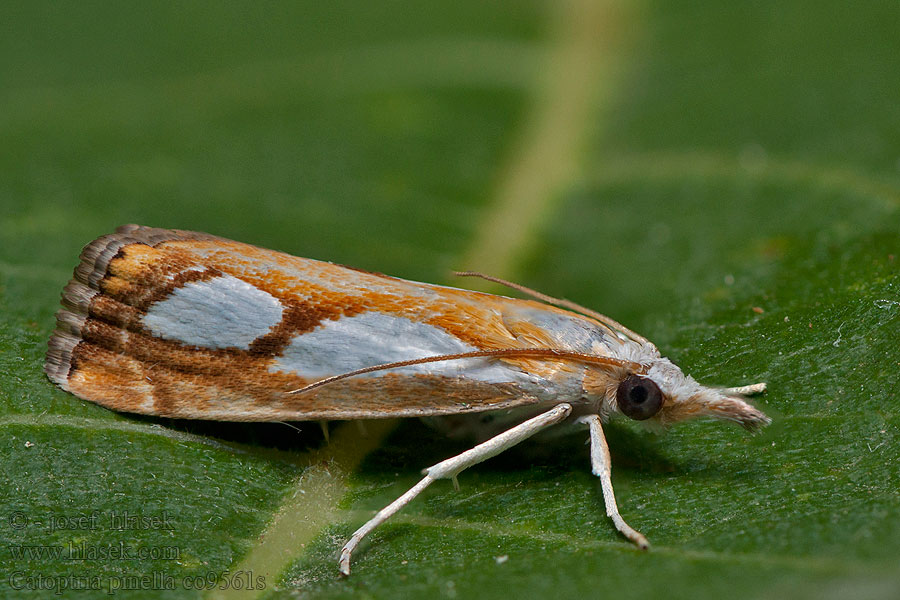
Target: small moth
(189,325)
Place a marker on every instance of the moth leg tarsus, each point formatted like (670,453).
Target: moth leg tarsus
(383,515)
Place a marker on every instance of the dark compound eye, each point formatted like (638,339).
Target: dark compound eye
(639,398)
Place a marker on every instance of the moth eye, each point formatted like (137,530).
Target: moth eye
(639,397)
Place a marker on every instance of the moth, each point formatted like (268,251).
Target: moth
(189,325)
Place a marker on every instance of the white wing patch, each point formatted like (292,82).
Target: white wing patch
(223,312)
(374,338)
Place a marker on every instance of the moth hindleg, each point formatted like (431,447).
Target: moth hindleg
(451,467)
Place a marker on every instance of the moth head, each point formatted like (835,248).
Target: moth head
(659,393)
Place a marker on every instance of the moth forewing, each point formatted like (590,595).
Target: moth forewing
(185,324)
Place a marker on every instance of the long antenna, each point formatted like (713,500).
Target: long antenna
(500,353)
(562,303)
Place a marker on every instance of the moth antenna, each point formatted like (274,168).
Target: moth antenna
(612,324)
(294,427)
(499,353)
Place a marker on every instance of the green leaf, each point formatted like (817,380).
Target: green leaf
(723,179)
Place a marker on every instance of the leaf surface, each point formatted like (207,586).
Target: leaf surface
(722,179)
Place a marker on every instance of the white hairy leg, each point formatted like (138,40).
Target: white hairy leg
(451,467)
(602,468)
(746,390)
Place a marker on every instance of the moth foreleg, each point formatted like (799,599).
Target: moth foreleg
(602,468)
(451,467)
(746,390)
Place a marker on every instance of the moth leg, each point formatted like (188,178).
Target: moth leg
(746,390)
(451,467)
(602,468)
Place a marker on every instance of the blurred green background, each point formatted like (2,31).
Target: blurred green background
(724,178)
